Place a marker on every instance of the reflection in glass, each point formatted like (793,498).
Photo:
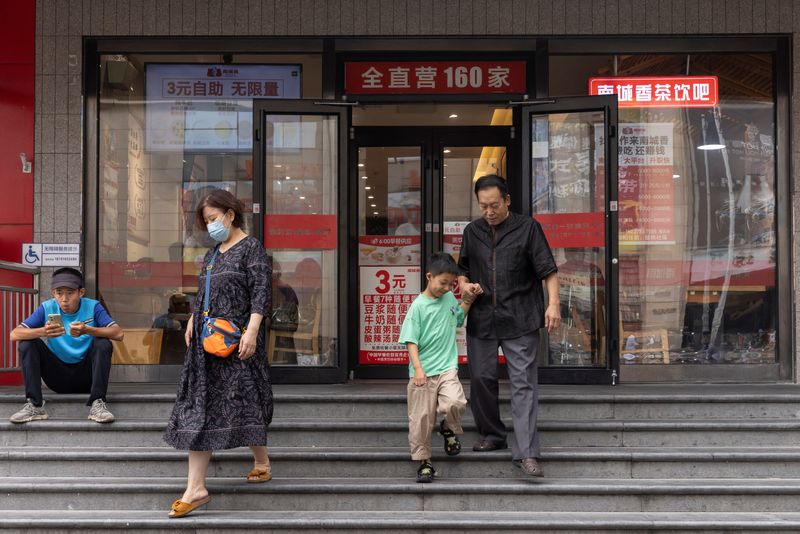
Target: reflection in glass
(161,149)
(697,211)
(568,195)
(301,173)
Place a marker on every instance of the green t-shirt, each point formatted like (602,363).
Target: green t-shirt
(431,325)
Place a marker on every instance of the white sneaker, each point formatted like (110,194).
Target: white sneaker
(99,412)
(28,413)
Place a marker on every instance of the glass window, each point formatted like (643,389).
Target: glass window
(697,206)
(301,166)
(172,128)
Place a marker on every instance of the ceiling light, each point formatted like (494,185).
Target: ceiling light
(676,176)
(296,188)
(288,177)
(453,116)
(373,205)
(446,150)
(375,213)
(367,187)
(360,164)
(302,198)
(363,177)
(278,166)
(370,197)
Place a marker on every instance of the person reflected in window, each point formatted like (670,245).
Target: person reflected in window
(224,403)
(178,313)
(285,315)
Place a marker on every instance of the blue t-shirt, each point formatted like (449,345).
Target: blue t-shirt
(70,349)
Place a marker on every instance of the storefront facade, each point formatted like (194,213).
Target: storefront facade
(355,149)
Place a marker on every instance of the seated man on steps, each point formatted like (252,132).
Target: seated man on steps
(66,343)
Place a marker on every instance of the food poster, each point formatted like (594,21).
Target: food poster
(390,250)
(385,296)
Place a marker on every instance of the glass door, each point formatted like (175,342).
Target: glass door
(389,177)
(460,158)
(301,170)
(413,196)
(570,174)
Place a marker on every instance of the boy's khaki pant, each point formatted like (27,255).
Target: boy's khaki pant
(443,394)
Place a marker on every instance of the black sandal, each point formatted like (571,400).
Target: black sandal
(425,472)
(452,446)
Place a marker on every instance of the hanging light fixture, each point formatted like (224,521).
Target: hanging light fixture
(711,140)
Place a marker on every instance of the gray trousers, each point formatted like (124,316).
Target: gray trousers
(522,365)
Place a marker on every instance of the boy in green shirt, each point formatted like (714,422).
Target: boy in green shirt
(429,333)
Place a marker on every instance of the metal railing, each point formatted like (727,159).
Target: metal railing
(16,305)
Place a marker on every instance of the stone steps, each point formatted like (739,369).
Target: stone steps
(342,462)
(375,494)
(351,432)
(393,405)
(628,459)
(429,522)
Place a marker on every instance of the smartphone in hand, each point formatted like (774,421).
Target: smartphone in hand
(55,318)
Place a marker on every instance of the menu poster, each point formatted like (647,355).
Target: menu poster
(385,296)
(389,250)
(646,187)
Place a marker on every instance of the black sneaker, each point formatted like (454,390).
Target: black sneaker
(425,473)
(452,446)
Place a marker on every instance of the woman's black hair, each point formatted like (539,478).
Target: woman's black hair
(222,200)
(492,180)
(442,262)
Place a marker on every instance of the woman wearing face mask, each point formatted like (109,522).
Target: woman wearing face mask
(224,403)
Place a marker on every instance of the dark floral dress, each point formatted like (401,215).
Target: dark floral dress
(224,403)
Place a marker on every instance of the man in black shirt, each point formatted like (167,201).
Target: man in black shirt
(506,255)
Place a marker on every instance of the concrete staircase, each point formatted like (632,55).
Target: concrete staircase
(630,458)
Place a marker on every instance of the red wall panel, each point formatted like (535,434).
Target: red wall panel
(18,24)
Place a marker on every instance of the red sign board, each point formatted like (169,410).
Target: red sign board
(300,231)
(434,77)
(659,91)
(573,230)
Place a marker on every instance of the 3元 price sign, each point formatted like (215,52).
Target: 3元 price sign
(385,296)
(434,77)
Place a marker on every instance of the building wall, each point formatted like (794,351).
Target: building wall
(61,24)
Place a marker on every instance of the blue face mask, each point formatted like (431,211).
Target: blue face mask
(218,231)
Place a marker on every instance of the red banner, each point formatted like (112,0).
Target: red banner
(659,91)
(434,77)
(300,231)
(573,230)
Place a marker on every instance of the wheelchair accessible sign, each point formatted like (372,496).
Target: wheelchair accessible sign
(51,254)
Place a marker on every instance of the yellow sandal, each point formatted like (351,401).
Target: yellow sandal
(259,474)
(180,508)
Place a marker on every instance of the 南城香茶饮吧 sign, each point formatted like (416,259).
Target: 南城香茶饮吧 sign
(659,91)
(434,77)
(51,254)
